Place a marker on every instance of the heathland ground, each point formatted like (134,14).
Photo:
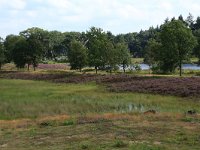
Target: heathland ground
(67,110)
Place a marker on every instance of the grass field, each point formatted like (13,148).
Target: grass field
(45,115)
(31,99)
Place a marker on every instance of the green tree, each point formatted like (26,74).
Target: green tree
(110,36)
(2,53)
(120,38)
(99,48)
(152,50)
(9,45)
(71,36)
(77,55)
(190,21)
(184,21)
(55,47)
(123,55)
(20,52)
(36,44)
(196,25)
(110,55)
(197,48)
(177,43)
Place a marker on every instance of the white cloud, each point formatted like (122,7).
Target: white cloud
(2,2)
(13,4)
(60,4)
(17,4)
(114,15)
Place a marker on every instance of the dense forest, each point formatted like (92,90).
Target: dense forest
(164,47)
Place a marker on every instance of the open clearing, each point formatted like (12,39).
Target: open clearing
(47,115)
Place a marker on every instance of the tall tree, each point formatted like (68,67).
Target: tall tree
(152,51)
(97,45)
(110,36)
(190,21)
(9,44)
(177,43)
(197,24)
(123,55)
(119,38)
(71,36)
(55,47)
(36,42)
(77,55)
(20,52)
(2,53)
(110,55)
(182,19)
(197,48)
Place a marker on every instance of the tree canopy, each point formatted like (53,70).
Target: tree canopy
(35,38)
(98,47)
(77,55)
(177,44)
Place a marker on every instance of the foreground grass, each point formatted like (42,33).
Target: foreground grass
(33,99)
(127,132)
(87,116)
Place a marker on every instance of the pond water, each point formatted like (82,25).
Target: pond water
(185,66)
(191,66)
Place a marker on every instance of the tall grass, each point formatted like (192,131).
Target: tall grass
(32,99)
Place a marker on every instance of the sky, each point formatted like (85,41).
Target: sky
(117,16)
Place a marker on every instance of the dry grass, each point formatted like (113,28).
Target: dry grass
(106,131)
(24,123)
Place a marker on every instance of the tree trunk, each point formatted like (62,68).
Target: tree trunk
(0,66)
(35,63)
(96,69)
(149,69)
(124,68)
(28,67)
(180,67)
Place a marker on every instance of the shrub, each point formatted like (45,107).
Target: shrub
(68,123)
(119,143)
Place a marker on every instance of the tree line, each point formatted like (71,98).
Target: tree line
(92,48)
(164,48)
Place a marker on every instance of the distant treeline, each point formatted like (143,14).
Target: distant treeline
(96,47)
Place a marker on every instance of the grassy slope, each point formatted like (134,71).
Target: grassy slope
(169,129)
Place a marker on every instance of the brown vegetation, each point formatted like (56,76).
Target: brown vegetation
(184,87)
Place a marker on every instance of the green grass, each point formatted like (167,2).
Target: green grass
(169,129)
(32,99)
